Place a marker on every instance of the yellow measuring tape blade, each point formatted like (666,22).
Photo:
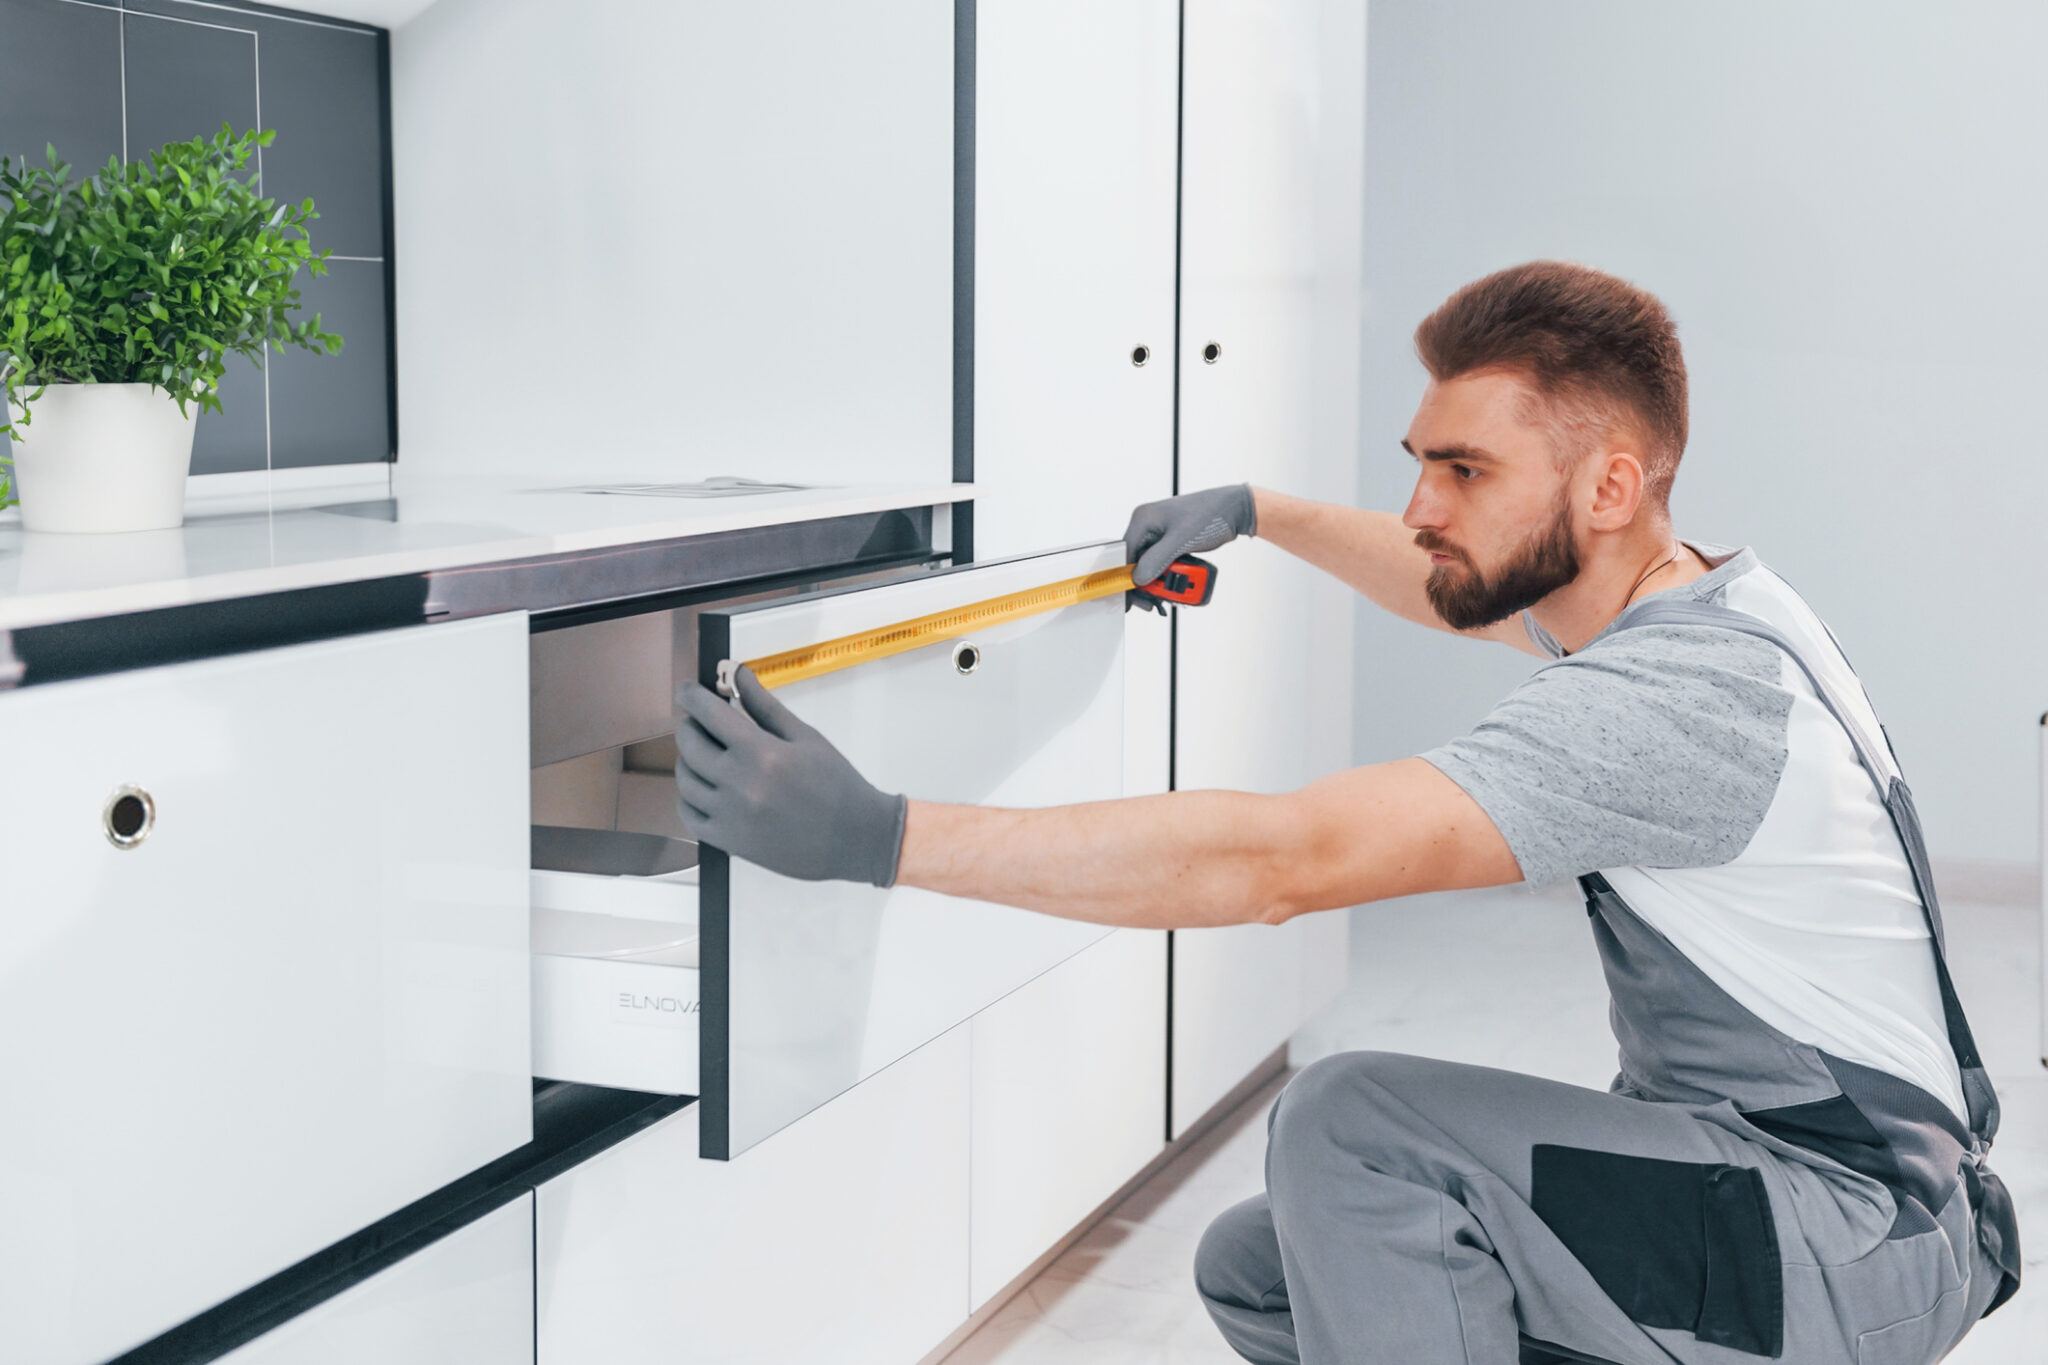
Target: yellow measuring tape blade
(829,656)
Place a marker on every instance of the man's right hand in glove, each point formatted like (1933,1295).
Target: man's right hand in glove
(1161,532)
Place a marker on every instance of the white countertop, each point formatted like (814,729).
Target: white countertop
(241,547)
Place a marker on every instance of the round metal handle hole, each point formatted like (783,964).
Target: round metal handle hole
(1140,354)
(1212,353)
(129,816)
(966,657)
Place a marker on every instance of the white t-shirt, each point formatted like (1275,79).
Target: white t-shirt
(1702,774)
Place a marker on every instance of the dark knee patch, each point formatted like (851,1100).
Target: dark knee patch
(1677,1244)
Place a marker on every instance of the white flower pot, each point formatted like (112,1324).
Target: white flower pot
(103,457)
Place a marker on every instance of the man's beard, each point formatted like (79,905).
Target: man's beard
(1469,600)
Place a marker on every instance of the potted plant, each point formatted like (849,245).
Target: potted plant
(121,299)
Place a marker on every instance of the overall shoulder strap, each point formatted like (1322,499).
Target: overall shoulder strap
(1893,794)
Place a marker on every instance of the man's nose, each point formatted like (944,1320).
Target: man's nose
(1424,512)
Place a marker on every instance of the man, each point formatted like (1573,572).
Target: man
(1791,1162)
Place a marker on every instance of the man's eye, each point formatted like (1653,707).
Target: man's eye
(1464,471)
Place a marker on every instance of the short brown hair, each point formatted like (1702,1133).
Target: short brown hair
(1588,342)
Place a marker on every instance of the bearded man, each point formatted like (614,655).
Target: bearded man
(1791,1163)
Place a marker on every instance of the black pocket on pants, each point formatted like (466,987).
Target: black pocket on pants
(1678,1244)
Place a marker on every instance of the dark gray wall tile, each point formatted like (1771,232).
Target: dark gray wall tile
(184,81)
(60,82)
(335,409)
(320,93)
(232,439)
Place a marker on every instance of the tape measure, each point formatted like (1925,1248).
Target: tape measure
(1188,581)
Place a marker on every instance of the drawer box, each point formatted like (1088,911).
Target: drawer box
(615,980)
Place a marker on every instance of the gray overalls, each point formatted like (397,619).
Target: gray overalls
(1737,1195)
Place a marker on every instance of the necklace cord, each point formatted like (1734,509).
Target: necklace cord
(1646,578)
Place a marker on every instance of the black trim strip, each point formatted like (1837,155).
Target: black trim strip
(1180,85)
(571,1124)
(204,630)
(642,570)
(714,944)
(964,19)
(384,140)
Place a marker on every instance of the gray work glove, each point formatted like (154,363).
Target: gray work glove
(1161,532)
(764,786)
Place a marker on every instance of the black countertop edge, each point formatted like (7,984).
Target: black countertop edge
(614,580)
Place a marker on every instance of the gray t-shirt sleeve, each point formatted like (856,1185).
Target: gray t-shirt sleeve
(1657,746)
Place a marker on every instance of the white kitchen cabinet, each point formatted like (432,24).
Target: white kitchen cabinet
(1069,1099)
(466,1297)
(1075,130)
(842,1238)
(295,1003)
(1271,190)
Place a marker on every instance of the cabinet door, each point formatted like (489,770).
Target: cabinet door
(841,1240)
(1271,189)
(1074,134)
(808,987)
(1076,124)
(1069,1096)
(295,1004)
(467,1297)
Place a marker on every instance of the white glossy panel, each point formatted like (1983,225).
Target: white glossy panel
(842,1238)
(1069,1099)
(792,168)
(1148,703)
(316,963)
(828,982)
(1241,992)
(467,1297)
(1271,201)
(1075,126)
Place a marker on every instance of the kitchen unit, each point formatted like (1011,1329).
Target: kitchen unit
(361,804)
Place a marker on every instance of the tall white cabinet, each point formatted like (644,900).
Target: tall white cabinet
(1271,202)
(1147,214)
(1075,109)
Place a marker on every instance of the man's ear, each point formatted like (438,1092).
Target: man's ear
(1617,488)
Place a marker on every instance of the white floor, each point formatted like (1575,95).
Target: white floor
(1503,978)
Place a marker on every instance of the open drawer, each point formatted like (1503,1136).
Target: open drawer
(762,995)
(615,962)
(810,987)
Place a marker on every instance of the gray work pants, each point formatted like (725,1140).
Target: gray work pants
(1419,1211)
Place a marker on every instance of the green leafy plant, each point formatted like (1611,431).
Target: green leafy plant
(148,272)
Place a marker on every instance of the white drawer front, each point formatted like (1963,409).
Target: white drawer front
(842,1240)
(298,1004)
(810,987)
(467,1297)
(1069,1099)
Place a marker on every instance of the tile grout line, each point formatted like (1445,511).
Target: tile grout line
(309,21)
(166,18)
(121,25)
(269,464)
